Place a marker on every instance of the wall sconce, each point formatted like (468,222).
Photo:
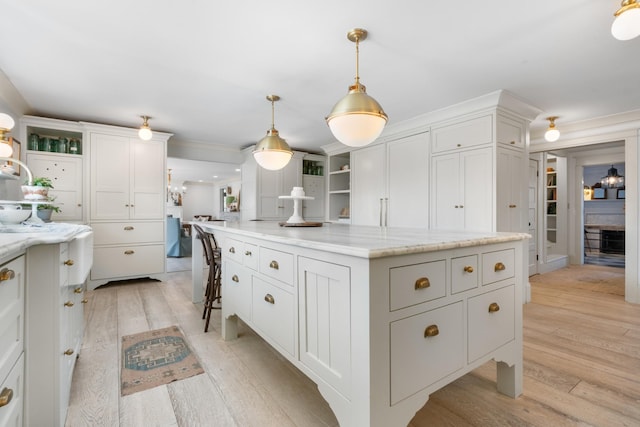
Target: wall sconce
(357,119)
(612,179)
(145,133)
(6,124)
(626,25)
(552,134)
(272,152)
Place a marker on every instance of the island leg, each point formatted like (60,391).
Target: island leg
(229,327)
(510,379)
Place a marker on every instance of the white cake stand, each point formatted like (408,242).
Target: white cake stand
(296,218)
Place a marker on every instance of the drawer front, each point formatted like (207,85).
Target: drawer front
(464,273)
(276,264)
(418,361)
(274,314)
(232,249)
(11,414)
(491,321)
(236,289)
(250,256)
(118,233)
(414,284)
(498,266)
(11,314)
(123,261)
(509,132)
(463,135)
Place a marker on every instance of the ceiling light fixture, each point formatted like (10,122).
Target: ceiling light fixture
(272,152)
(626,25)
(552,134)
(6,124)
(612,180)
(357,119)
(145,133)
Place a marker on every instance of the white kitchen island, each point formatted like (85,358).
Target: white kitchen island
(379,318)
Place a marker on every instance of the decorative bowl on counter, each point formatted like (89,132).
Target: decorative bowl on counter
(13,216)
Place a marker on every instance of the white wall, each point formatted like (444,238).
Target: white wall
(199,199)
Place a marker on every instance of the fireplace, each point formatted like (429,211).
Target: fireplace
(612,241)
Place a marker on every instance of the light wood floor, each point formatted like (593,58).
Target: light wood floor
(581,351)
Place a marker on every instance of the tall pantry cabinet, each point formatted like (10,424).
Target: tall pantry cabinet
(127,199)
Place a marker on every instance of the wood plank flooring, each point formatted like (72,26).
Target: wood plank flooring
(581,365)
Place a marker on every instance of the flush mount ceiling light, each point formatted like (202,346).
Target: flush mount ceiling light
(626,26)
(145,131)
(612,180)
(552,134)
(272,152)
(6,124)
(357,119)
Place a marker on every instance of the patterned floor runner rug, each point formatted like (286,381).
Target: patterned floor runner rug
(154,358)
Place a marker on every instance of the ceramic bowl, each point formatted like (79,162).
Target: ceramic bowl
(14,216)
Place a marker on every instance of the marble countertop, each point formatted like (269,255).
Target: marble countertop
(16,239)
(362,241)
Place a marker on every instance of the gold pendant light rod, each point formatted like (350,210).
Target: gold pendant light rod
(355,36)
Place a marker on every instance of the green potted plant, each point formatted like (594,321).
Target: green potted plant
(38,189)
(45,210)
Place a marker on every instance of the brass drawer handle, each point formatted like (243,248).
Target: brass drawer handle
(77,290)
(6,274)
(512,206)
(68,304)
(493,307)
(68,352)
(128,228)
(431,331)
(274,265)
(68,262)
(468,269)
(499,267)
(235,278)
(269,298)
(247,253)
(232,250)
(129,252)
(84,301)
(422,283)
(5,396)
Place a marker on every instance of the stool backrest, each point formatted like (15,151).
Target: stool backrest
(209,244)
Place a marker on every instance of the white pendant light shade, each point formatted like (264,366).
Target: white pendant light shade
(5,149)
(626,25)
(6,124)
(357,119)
(272,152)
(145,133)
(552,134)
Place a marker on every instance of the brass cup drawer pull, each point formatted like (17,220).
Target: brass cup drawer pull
(493,307)
(247,253)
(274,265)
(468,269)
(5,396)
(68,304)
(422,283)
(6,274)
(68,352)
(235,278)
(77,290)
(431,331)
(129,252)
(499,267)
(232,250)
(68,262)
(269,298)
(128,228)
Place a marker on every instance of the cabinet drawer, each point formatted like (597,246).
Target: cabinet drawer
(497,266)
(232,249)
(11,414)
(123,261)
(415,284)
(464,273)
(118,233)
(425,348)
(491,321)
(250,256)
(274,314)
(462,135)
(276,264)
(11,314)
(236,289)
(509,132)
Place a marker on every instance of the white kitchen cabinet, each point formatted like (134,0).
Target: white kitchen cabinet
(511,206)
(390,183)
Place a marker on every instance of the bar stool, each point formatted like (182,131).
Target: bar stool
(214,261)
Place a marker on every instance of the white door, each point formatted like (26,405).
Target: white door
(478,199)
(533,217)
(368,182)
(445,192)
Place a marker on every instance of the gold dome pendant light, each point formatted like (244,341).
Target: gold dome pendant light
(357,119)
(272,152)
(626,25)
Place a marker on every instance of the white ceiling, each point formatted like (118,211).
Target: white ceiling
(202,68)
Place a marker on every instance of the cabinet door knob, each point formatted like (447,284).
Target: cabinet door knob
(79,205)
(274,265)
(512,142)
(128,228)
(493,307)
(68,262)
(499,267)
(269,298)
(77,291)
(247,253)
(68,304)
(68,352)
(512,206)
(422,283)
(468,269)
(84,301)
(5,396)
(129,252)
(232,250)
(431,331)
(235,278)
(126,206)
(6,274)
